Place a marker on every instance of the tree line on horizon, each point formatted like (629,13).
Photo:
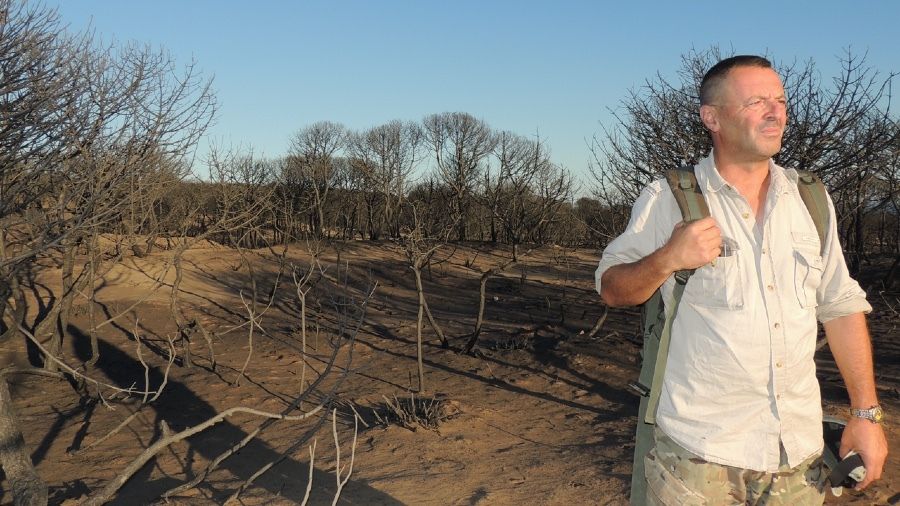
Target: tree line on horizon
(339,184)
(503,188)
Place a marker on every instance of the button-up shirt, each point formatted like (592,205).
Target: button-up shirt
(741,379)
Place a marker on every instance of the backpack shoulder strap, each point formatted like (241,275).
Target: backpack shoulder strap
(686,189)
(815,197)
(692,204)
(657,327)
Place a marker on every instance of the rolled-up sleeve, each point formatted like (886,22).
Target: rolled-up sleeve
(648,229)
(838,294)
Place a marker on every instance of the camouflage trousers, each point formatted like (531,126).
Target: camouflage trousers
(676,476)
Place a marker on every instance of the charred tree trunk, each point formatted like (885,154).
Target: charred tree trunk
(27,487)
(419,351)
(473,340)
(482,295)
(183,329)
(13,290)
(64,304)
(424,303)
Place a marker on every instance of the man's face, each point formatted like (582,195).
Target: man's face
(749,114)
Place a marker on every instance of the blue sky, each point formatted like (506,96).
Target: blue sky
(553,68)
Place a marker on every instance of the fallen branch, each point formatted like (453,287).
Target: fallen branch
(104,494)
(309,480)
(599,323)
(252,434)
(341,481)
(73,372)
(269,465)
(113,432)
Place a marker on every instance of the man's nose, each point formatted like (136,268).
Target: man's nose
(775,108)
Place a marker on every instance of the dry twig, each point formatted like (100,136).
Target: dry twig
(104,494)
(338,471)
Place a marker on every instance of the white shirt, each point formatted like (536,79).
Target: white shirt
(740,377)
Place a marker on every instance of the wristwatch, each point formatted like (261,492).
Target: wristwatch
(874,414)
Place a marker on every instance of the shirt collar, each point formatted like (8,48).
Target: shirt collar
(707,176)
(781,180)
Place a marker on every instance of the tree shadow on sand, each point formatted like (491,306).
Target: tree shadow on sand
(180,407)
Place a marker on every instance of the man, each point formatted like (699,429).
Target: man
(739,416)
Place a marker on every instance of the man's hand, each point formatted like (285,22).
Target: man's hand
(693,245)
(868,440)
(690,246)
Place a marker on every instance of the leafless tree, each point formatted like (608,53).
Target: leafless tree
(345,211)
(527,191)
(385,156)
(292,190)
(460,144)
(419,248)
(312,161)
(130,114)
(511,153)
(240,195)
(124,113)
(82,126)
(482,296)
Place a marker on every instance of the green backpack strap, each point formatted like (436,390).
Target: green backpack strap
(686,189)
(687,193)
(814,196)
(693,207)
(658,330)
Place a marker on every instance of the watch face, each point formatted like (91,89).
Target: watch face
(874,414)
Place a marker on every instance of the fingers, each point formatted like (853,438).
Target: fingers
(705,223)
(868,440)
(704,230)
(874,468)
(694,244)
(702,242)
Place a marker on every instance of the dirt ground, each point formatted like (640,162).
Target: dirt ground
(541,414)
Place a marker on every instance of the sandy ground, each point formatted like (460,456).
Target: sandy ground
(540,415)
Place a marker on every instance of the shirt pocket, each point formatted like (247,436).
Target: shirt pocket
(808,268)
(717,284)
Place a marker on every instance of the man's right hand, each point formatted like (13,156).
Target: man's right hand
(693,245)
(690,246)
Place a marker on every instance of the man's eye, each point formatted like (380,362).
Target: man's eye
(755,103)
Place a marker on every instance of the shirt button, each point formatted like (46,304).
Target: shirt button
(778,364)
(777,325)
(770,288)
(764,251)
(746,215)
(778,397)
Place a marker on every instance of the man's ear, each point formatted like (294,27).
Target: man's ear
(709,115)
